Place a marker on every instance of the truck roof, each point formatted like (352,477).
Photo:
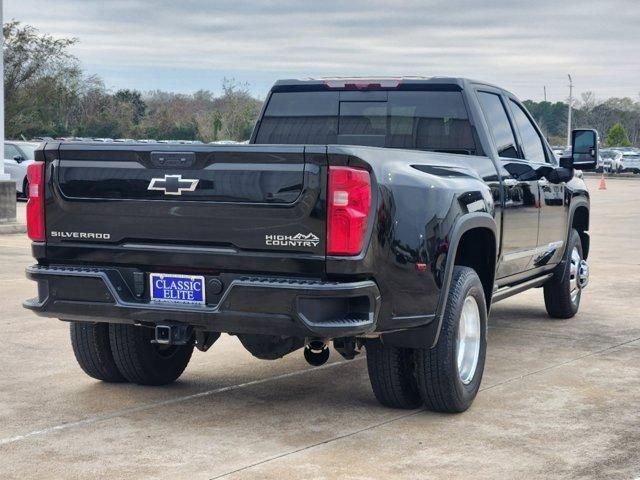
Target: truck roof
(379,82)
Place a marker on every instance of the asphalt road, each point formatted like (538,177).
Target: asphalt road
(560,399)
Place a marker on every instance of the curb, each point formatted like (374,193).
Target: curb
(9,228)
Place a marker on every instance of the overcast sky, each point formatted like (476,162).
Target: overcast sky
(187,45)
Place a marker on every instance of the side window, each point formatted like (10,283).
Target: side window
(531,142)
(498,121)
(10,151)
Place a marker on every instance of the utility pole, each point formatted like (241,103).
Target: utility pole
(569,115)
(545,93)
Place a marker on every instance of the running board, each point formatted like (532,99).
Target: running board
(506,292)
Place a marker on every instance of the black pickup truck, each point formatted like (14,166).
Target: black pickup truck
(385,214)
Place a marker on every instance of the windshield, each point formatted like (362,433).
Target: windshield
(421,120)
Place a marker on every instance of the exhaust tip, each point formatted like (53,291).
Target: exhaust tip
(316,353)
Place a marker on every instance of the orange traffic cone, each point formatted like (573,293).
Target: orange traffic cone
(603,183)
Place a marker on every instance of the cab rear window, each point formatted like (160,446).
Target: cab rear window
(420,120)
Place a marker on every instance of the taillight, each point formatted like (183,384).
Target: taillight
(349,206)
(35,205)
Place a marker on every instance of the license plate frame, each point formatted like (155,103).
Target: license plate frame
(175,293)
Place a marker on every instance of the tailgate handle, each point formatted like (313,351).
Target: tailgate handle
(172,159)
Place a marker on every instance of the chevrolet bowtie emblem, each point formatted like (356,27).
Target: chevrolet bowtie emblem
(173,184)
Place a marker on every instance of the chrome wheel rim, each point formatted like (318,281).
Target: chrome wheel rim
(574,284)
(468,340)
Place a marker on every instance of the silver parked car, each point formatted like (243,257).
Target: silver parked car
(17,156)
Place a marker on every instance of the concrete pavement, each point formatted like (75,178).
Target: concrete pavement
(560,399)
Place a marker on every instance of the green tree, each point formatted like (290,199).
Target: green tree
(41,81)
(101,114)
(238,110)
(133,98)
(551,117)
(172,116)
(217,124)
(617,136)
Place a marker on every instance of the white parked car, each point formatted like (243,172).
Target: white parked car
(630,161)
(610,161)
(17,156)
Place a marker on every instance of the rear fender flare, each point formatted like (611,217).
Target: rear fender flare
(462,225)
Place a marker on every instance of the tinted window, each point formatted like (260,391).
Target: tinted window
(363,118)
(531,142)
(498,121)
(363,123)
(415,120)
(300,117)
(10,151)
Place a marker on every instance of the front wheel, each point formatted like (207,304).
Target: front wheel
(449,374)
(563,292)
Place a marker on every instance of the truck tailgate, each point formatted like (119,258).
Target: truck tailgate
(265,201)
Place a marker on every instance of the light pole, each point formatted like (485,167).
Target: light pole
(569,115)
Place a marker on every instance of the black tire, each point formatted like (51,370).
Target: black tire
(25,188)
(392,375)
(90,342)
(143,362)
(439,382)
(557,291)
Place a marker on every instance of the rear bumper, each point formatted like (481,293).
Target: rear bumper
(247,304)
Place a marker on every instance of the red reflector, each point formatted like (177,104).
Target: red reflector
(349,206)
(35,205)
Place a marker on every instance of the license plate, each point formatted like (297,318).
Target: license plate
(171,288)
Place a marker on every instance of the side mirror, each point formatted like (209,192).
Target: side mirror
(566,162)
(584,148)
(561,174)
(18,159)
